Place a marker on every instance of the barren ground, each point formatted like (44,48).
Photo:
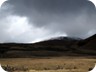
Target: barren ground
(48,64)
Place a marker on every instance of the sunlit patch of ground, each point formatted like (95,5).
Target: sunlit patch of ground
(50,64)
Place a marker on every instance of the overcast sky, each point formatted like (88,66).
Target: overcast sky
(34,20)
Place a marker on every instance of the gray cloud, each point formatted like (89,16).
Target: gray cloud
(73,17)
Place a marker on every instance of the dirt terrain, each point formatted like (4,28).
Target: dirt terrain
(49,64)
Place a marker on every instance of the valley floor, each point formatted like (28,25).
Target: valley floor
(48,64)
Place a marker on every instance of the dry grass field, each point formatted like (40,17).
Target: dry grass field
(50,64)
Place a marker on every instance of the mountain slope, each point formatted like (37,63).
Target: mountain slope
(89,43)
(60,46)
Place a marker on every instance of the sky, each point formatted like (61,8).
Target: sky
(27,21)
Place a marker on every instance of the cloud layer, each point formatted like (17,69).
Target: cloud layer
(33,20)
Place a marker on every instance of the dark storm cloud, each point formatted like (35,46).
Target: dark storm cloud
(73,17)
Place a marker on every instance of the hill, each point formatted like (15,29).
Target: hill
(88,45)
(59,46)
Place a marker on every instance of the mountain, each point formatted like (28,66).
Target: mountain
(58,46)
(88,45)
(58,41)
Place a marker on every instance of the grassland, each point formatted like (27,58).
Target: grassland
(48,64)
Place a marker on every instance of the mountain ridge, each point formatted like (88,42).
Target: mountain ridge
(53,47)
